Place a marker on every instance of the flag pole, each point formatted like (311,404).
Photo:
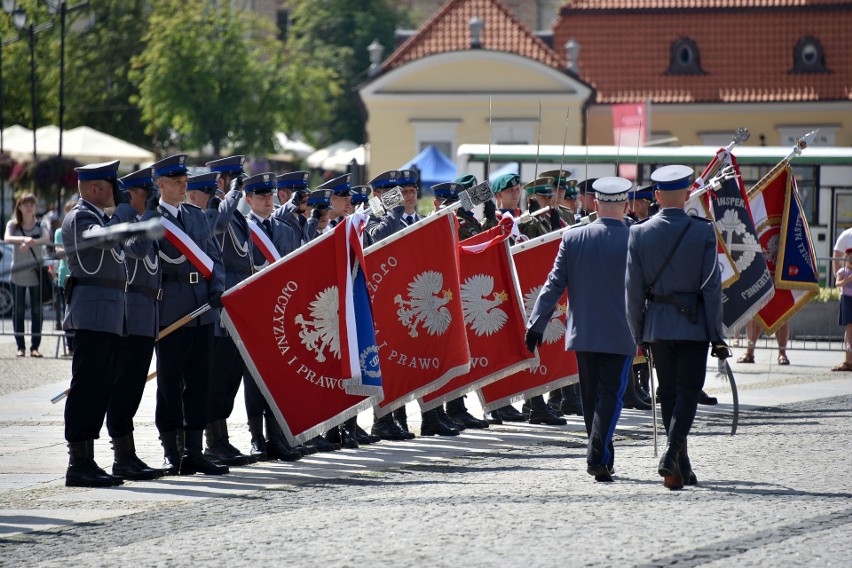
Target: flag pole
(538,147)
(796,150)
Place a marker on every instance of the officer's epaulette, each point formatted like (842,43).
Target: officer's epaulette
(191,205)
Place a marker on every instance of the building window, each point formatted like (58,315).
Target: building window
(442,134)
(808,56)
(685,59)
(282,19)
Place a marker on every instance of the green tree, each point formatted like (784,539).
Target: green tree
(335,34)
(209,75)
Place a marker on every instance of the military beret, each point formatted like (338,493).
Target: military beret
(260,183)
(670,178)
(612,188)
(542,186)
(339,185)
(295,180)
(466,181)
(171,166)
(140,178)
(505,181)
(229,165)
(102,170)
(205,182)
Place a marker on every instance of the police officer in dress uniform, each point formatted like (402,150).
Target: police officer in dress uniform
(184,358)
(587,197)
(341,199)
(394,425)
(95,292)
(136,349)
(591,264)
(674,304)
(293,192)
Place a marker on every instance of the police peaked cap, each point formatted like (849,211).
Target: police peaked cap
(339,185)
(143,178)
(102,170)
(671,178)
(260,183)
(171,166)
(229,165)
(205,182)
(293,180)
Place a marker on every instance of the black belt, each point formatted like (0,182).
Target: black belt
(186,278)
(244,271)
(102,282)
(155,293)
(669,299)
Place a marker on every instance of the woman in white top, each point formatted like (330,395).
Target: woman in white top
(29,236)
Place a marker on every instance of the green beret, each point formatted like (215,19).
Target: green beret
(466,181)
(505,181)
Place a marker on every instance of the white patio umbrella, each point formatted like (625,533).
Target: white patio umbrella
(290,147)
(338,162)
(316,159)
(86,144)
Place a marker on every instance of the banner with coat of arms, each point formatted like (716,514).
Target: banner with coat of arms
(493,315)
(295,325)
(556,368)
(413,280)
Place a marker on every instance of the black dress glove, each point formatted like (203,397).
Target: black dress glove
(489,210)
(120,196)
(533,205)
(213,203)
(720,350)
(236,183)
(533,339)
(318,212)
(297,198)
(215,299)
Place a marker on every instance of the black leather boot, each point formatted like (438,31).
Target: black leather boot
(541,413)
(432,425)
(218,449)
(685,465)
(707,400)
(457,411)
(322,445)
(346,434)
(493,417)
(509,413)
(632,399)
(386,428)
(258,441)
(361,435)
(277,447)
(171,452)
(193,461)
(572,401)
(127,464)
(90,449)
(401,417)
(669,468)
(226,439)
(82,470)
(554,401)
(444,417)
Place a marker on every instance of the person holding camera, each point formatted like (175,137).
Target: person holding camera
(674,307)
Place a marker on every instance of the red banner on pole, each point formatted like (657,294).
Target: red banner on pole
(494,317)
(293,324)
(413,280)
(557,367)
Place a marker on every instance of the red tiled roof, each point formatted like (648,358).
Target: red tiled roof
(746,49)
(447,30)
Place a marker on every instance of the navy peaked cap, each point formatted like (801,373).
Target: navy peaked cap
(229,165)
(140,178)
(102,170)
(172,166)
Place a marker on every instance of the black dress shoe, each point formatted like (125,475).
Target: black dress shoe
(685,466)
(544,415)
(493,418)
(707,400)
(282,451)
(305,450)
(193,461)
(364,438)
(322,445)
(601,473)
(468,420)
(386,428)
(669,469)
(510,414)
(432,425)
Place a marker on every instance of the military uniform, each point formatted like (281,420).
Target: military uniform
(591,264)
(96,314)
(680,313)
(288,212)
(184,357)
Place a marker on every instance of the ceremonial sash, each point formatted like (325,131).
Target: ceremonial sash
(188,248)
(293,325)
(262,242)
(413,281)
(557,367)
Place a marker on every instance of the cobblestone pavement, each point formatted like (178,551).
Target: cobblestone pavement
(779,493)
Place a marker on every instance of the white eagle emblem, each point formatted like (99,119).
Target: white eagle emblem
(426,306)
(556,326)
(322,332)
(479,305)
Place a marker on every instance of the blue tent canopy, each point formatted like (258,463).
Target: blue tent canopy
(434,167)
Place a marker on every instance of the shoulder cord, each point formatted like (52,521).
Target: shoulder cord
(241,249)
(77,251)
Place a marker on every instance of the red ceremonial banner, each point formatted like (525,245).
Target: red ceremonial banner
(557,367)
(413,280)
(494,317)
(289,322)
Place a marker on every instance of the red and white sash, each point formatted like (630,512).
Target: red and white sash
(262,242)
(187,246)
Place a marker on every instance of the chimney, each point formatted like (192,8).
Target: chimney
(476,24)
(572,52)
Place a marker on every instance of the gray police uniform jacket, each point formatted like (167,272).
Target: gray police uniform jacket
(287,214)
(282,238)
(143,291)
(693,269)
(97,307)
(388,225)
(590,264)
(220,217)
(234,240)
(181,297)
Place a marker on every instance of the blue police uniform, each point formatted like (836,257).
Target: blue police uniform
(289,212)
(590,264)
(394,220)
(680,313)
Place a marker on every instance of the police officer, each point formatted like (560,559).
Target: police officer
(674,304)
(587,198)
(283,240)
(591,264)
(95,293)
(136,349)
(192,277)
(640,202)
(341,199)
(293,192)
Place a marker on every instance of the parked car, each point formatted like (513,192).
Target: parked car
(7,300)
